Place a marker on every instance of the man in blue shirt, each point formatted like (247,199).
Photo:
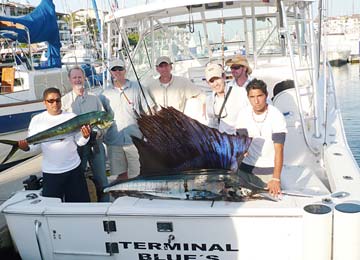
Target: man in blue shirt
(126,101)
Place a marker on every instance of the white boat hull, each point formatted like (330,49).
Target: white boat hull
(338,57)
(148,229)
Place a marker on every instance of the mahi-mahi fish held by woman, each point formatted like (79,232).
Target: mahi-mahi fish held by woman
(97,119)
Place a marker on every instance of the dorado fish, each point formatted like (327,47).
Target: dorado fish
(189,185)
(97,119)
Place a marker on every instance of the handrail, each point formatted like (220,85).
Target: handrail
(332,83)
(37,226)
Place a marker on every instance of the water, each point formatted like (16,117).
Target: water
(347,80)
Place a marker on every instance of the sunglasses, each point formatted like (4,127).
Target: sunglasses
(51,101)
(117,68)
(236,67)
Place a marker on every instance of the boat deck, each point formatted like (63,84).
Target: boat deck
(301,187)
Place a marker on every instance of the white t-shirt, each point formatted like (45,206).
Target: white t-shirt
(243,98)
(58,156)
(261,128)
(175,93)
(236,102)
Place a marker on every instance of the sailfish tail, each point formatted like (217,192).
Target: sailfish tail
(14,148)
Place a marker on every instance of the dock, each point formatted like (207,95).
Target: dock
(11,180)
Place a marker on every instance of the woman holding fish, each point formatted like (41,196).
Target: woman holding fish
(62,177)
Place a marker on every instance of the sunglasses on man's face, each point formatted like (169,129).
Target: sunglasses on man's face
(117,68)
(51,101)
(236,67)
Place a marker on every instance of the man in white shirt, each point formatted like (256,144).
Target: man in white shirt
(80,101)
(241,71)
(62,177)
(170,90)
(267,126)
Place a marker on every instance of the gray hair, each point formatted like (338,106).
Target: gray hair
(75,68)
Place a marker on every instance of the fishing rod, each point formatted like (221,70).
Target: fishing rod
(132,64)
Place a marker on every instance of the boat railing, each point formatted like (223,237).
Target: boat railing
(331,84)
(20,27)
(37,227)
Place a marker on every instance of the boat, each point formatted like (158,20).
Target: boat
(23,78)
(338,57)
(319,215)
(339,52)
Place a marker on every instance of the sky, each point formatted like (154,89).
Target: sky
(336,7)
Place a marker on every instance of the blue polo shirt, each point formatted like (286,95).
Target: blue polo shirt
(122,103)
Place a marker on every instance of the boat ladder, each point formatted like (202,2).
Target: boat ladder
(304,65)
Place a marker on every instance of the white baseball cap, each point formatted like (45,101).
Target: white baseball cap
(116,63)
(213,70)
(162,59)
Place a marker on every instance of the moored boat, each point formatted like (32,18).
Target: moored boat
(22,79)
(320,175)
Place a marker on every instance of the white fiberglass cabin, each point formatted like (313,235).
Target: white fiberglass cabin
(319,216)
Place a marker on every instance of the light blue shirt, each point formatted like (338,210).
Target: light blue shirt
(89,102)
(123,103)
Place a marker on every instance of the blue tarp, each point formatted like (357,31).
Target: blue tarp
(42,25)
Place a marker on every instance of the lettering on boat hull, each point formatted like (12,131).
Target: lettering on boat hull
(178,251)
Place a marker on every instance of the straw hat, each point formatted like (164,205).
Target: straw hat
(239,60)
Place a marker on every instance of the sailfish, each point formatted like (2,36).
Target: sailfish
(180,158)
(175,142)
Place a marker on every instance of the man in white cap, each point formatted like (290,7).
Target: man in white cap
(222,106)
(126,101)
(241,71)
(170,90)
(80,101)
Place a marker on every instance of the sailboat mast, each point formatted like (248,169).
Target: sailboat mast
(97,16)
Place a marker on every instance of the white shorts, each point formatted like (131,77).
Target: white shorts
(124,159)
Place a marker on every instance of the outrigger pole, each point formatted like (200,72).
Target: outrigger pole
(133,67)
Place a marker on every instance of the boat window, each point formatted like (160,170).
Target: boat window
(224,32)
(140,60)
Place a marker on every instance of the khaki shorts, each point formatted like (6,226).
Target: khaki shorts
(124,159)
